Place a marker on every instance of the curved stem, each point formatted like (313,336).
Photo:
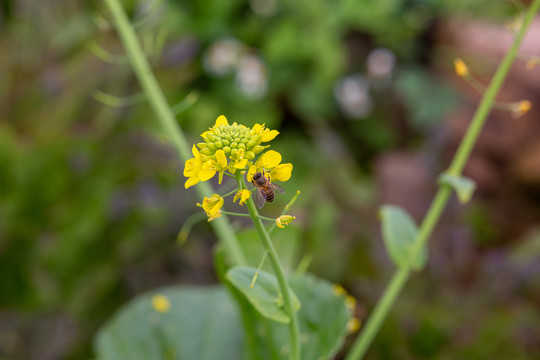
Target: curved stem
(362,343)
(294,330)
(165,116)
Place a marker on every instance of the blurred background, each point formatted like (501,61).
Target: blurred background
(369,112)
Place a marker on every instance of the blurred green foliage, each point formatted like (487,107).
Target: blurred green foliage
(92,198)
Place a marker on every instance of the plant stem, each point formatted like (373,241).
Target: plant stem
(163,112)
(362,343)
(294,330)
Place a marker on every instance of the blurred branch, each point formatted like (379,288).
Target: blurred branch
(165,116)
(400,277)
(116,101)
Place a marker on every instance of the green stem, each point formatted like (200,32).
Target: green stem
(294,330)
(163,112)
(362,343)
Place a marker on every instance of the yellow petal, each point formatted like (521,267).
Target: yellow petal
(242,195)
(221,120)
(269,135)
(191,167)
(281,172)
(221,158)
(207,171)
(241,164)
(252,170)
(269,159)
(191,181)
(257,128)
(195,152)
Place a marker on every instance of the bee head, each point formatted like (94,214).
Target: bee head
(257,176)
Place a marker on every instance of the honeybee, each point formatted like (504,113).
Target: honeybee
(265,189)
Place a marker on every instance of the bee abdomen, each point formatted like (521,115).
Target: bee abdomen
(269,195)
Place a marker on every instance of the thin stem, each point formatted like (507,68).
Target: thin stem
(294,330)
(246,215)
(362,343)
(163,112)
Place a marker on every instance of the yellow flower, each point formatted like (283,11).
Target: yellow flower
(353,325)
(520,108)
(195,170)
(460,67)
(284,220)
(243,195)
(161,303)
(212,205)
(270,162)
(227,147)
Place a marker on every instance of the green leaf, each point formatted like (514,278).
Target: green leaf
(202,323)
(323,320)
(399,233)
(463,186)
(265,295)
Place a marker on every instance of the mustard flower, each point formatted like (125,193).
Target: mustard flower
(242,195)
(521,108)
(284,220)
(212,205)
(161,303)
(226,147)
(270,162)
(460,67)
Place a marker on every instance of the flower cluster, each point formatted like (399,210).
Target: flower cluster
(228,148)
(233,150)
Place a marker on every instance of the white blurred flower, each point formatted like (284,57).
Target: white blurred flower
(222,56)
(380,63)
(252,76)
(352,94)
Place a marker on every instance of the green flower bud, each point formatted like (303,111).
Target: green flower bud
(201,145)
(250,155)
(234,145)
(250,144)
(226,142)
(227,149)
(206,151)
(219,144)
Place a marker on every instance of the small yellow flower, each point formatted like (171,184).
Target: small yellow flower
(350,302)
(461,68)
(161,303)
(212,205)
(353,325)
(338,290)
(243,195)
(270,162)
(284,220)
(521,108)
(195,170)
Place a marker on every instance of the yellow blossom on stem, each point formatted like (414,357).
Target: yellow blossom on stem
(242,195)
(161,303)
(284,220)
(195,170)
(270,162)
(461,68)
(227,147)
(212,205)
(521,108)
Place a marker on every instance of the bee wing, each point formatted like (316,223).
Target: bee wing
(261,198)
(277,188)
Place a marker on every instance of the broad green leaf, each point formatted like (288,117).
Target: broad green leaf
(201,323)
(463,186)
(399,233)
(265,295)
(323,320)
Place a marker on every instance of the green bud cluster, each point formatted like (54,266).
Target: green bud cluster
(237,141)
